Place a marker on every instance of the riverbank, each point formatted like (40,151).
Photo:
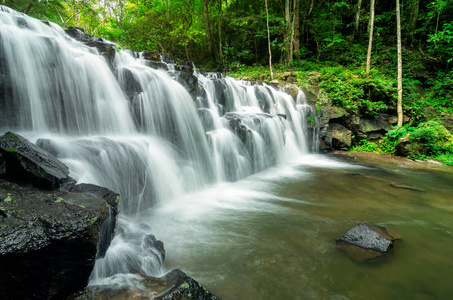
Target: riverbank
(388,160)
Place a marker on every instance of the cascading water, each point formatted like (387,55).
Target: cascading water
(135,130)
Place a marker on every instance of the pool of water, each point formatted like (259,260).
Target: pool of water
(272,236)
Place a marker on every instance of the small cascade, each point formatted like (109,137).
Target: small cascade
(118,123)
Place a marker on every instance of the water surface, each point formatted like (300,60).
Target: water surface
(272,235)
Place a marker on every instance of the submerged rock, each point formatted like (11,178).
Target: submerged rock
(367,241)
(174,285)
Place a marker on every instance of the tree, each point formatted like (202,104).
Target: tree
(413,19)
(269,40)
(296,29)
(208,30)
(370,42)
(357,18)
(400,66)
(291,17)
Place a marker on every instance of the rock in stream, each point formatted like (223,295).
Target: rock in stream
(367,241)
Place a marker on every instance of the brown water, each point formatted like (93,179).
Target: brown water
(272,236)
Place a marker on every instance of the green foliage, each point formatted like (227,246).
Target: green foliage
(433,141)
(392,138)
(367,146)
(442,42)
(356,92)
(434,138)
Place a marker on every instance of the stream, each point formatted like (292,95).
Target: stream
(272,235)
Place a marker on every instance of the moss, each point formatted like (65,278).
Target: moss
(10,150)
(11,137)
(8,198)
(185,285)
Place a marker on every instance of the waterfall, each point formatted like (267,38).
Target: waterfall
(118,123)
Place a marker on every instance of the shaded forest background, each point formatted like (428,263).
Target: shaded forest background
(225,33)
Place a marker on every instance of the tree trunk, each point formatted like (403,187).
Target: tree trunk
(370,43)
(208,31)
(310,9)
(269,40)
(357,18)
(220,30)
(413,19)
(296,29)
(400,66)
(28,7)
(288,34)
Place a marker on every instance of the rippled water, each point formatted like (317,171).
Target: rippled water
(272,236)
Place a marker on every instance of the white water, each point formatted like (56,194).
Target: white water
(154,146)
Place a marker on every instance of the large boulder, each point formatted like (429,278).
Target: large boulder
(375,128)
(338,137)
(367,241)
(49,236)
(49,241)
(28,164)
(174,285)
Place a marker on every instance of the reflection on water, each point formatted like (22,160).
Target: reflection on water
(272,236)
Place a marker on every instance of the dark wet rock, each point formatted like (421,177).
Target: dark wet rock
(49,236)
(240,122)
(237,126)
(106,49)
(261,97)
(367,241)
(78,33)
(152,59)
(26,163)
(375,128)
(180,65)
(22,22)
(6,93)
(151,55)
(49,240)
(129,83)
(108,226)
(189,82)
(338,137)
(156,65)
(174,285)
(407,147)
(220,93)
